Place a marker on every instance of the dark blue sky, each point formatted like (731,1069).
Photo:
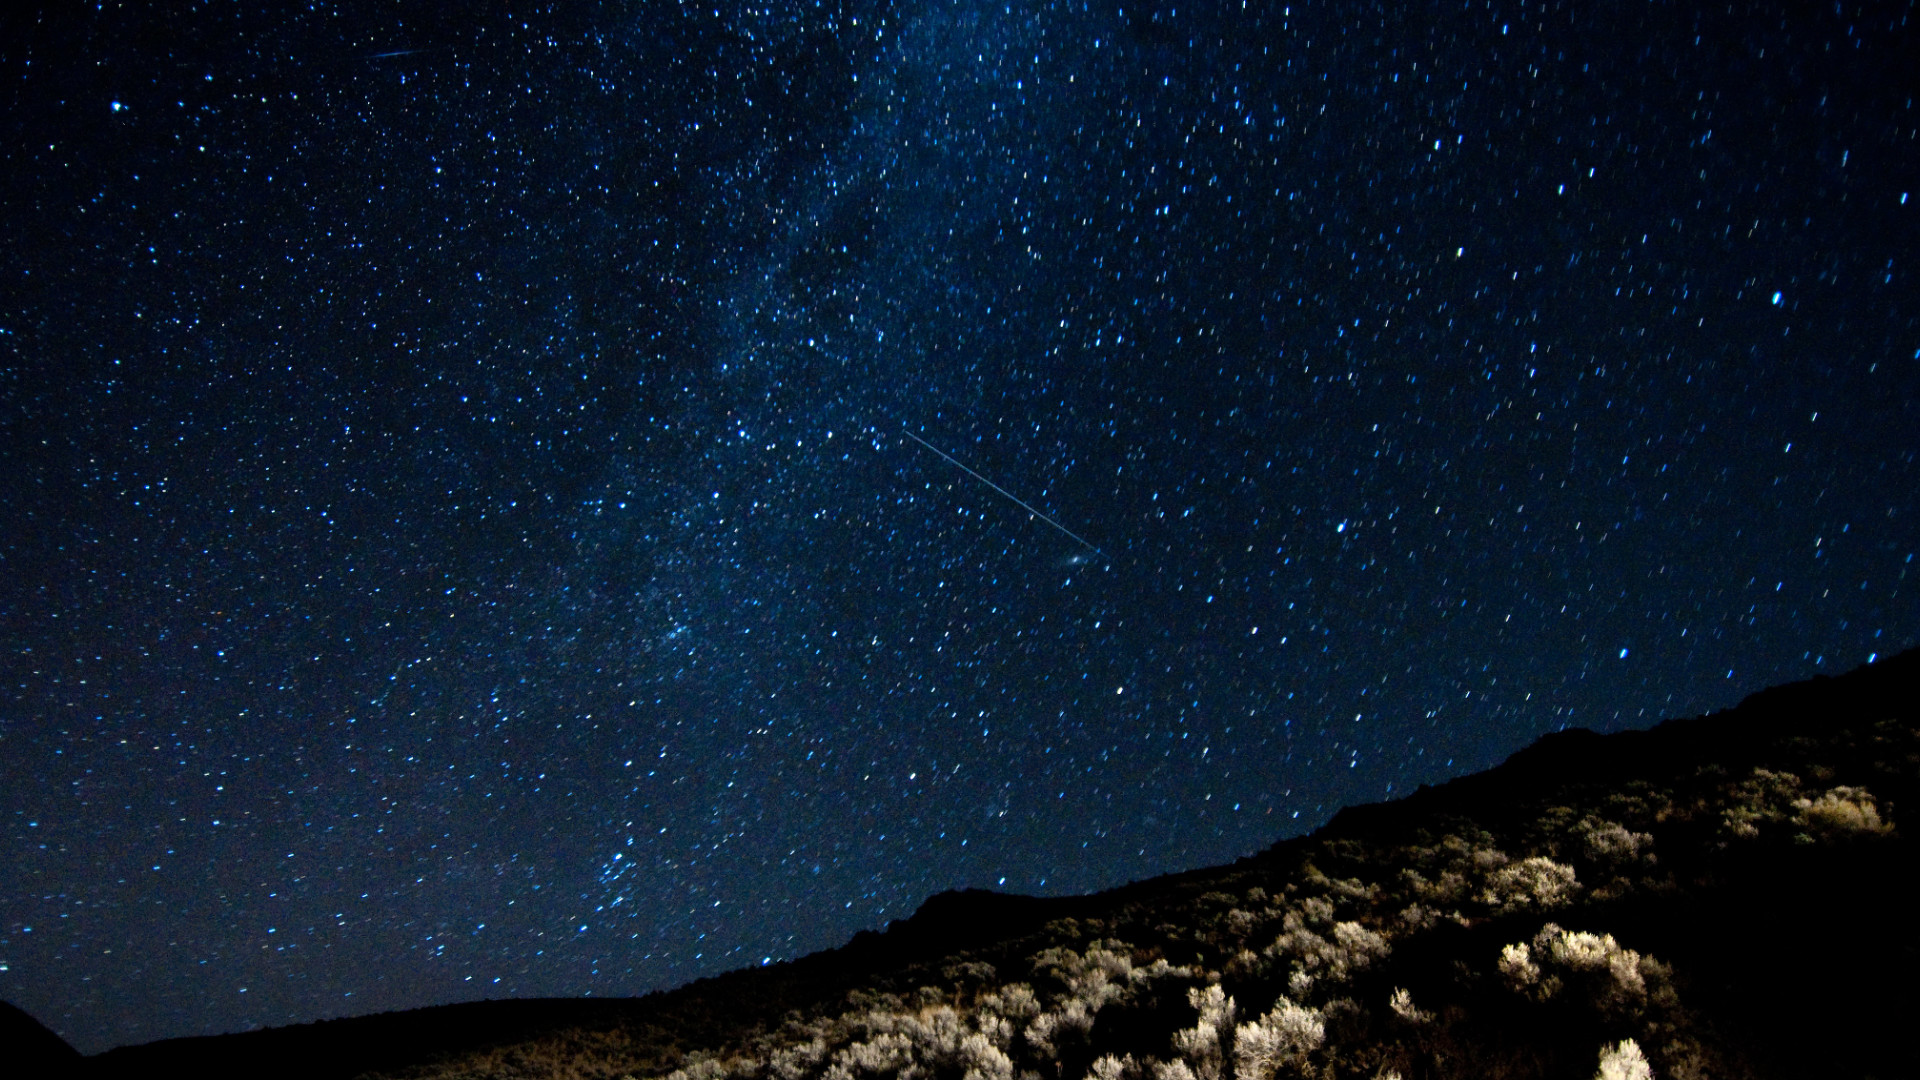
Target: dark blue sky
(467,532)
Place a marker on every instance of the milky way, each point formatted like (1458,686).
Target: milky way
(572,502)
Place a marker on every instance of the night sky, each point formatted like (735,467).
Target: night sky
(572,501)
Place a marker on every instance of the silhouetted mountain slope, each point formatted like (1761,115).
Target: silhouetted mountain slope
(31,1049)
(1719,896)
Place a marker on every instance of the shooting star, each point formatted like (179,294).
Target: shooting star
(405,52)
(1077,538)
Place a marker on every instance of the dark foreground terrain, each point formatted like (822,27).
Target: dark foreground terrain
(1725,896)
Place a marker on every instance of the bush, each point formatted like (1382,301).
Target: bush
(1841,812)
(1535,884)
(1623,1061)
(1282,1039)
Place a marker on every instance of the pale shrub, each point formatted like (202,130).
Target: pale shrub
(1417,917)
(937,1033)
(1015,1001)
(1300,983)
(1317,909)
(998,1029)
(1359,946)
(1076,1017)
(1154,972)
(1040,1034)
(1759,799)
(1172,1070)
(1241,924)
(1516,965)
(1050,1031)
(983,1060)
(797,1062)
(1614,978)
(704,1069)
(1352,948)
(1203,1044)
(1770,797)
(884,1054)
(1614,846)
(1843,811)
(1535,884)
(1623,1061)
(1403,1007)
(1281,1039)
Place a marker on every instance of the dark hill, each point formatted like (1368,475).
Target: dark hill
(1728,895)
(32,1049)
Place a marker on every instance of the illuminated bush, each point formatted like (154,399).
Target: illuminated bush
(1843,811)
(1279,1041)
(1623,1061)
(1206,1044)
(1535,884)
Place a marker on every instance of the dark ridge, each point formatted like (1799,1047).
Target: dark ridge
(347,1047)
(1735,739)
(962,919)
(32,1048)
(1824,892)
(699,1014)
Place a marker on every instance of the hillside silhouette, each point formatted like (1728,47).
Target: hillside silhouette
(1722,896)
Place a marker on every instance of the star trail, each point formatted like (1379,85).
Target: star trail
(470,529)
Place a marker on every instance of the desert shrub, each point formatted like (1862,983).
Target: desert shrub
(1241,924)
(1521,974)
(1205,1045)
(1486,860)
(798,1061)
(1096,978)
(701,1068)
(885,1054)
(1403,1007)
(1613,846)
(938,1041)
(1767,798)
(998,1029)
(1313,911)
(1311,957)
(1613,979)
(969,976)
(1246,964)
(1015,1001)
(1279,1041)
(1761,799)
(1172,1070)
(1840,812)
(1535,884)
(1066,929)
(1351,889)
(1623,1061)
(1358,946)
(1416,917)
(1448,887)
(982,1060)
(938,1033)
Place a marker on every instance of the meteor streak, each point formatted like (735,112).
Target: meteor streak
(1010,495)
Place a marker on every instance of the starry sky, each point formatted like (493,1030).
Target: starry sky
(572,499)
